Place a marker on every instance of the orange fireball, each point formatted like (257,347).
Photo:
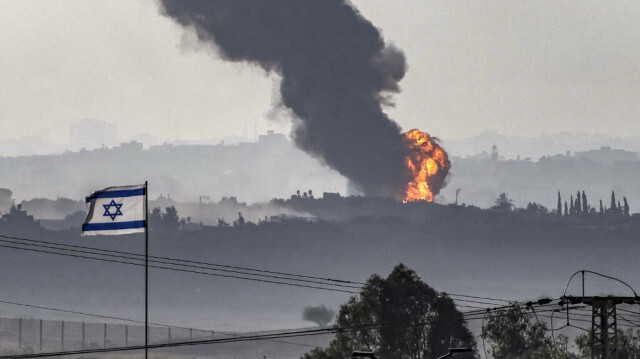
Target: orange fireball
(427,165)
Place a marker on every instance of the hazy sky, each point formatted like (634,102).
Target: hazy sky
(524,68)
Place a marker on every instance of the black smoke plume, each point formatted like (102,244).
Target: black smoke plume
(336,71)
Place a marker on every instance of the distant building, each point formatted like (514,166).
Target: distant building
(330,195)
(307,195)
(272,138)
(606,154)
(18,217)
(91,133)
(133,146)
(287,217)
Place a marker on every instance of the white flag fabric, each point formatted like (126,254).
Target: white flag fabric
(116,210)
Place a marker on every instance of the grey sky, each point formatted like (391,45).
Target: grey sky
(519,67)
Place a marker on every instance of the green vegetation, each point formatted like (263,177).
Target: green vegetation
(398,317)
(516,334)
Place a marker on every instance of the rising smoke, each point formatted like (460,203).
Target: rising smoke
(336,71)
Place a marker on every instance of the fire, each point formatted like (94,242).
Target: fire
(427,165)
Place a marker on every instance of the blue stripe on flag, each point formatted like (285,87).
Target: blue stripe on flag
(117,194)
(112,226)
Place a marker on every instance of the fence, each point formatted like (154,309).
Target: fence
(24,335)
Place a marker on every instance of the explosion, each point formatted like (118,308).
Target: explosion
(335,77)
(427,165)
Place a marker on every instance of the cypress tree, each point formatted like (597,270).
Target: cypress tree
(613,202)
(601,208)
(626,207)
(566,208)
(571,207)
(559,204)
(585,206)
(578,205)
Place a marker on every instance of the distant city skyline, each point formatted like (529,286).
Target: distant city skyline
(90,134)
(518,68)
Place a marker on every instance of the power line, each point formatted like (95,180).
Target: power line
(476,297)
(343,281)
(291,334)
(583,271)
(134,320)
(165,260)
(133,256)
(181,270)
(128,256)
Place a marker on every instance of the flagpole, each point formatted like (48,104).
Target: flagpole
(146,270)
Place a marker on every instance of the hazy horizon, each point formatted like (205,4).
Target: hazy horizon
(247,118)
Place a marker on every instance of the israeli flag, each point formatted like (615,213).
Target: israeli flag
(116,210)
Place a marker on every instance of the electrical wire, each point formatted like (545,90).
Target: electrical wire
(136,321)
(291,334)
(476,297)
(354,284)
(598,274)
(635,324)
(634,314)
(181,270)
(343,281)
(136,257)
(126,256)
(482,336)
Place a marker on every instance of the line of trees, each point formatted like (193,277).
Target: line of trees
(574,206)
(580,206)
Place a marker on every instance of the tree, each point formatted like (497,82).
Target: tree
(398,317)
(585,205)
(171,220)
(536,208)
(559,208)
(578,206)
(572,208)
(6,199)
(626,207)
(566,209)
(155,216)
(613,208)
(503,203)
(321,315)
(240,221)
(513,334)
(165,222)
(601,207)
(628,344)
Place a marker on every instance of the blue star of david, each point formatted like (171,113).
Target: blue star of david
(107,210)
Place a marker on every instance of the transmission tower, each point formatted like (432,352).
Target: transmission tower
(604,329)
(604,325)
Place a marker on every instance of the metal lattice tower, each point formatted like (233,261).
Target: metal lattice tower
(604,329)
(604,325)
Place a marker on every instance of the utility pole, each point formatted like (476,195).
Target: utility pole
(604,329)
(604,324)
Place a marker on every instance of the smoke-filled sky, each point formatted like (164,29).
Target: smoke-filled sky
(519,67)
